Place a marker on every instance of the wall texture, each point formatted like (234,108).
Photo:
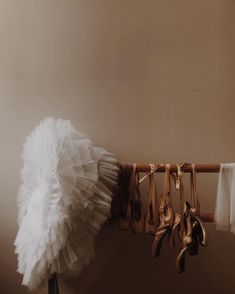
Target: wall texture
(151,81)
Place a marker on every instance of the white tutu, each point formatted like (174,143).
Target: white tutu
(64,198)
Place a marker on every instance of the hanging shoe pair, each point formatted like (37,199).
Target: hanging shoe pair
(187,225)
(191,231)
(161,220)
(131,208)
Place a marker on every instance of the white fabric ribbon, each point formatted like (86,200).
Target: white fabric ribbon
(225,203)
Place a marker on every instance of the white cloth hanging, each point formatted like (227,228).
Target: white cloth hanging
(64,198)
(225,202)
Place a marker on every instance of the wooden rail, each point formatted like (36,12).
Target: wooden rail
(200,168)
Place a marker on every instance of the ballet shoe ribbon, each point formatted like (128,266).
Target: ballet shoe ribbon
(152,216)
(166,214)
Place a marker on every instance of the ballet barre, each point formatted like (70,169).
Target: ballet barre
(187,167)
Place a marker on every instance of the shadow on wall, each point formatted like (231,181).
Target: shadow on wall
(8,264)
(124,264)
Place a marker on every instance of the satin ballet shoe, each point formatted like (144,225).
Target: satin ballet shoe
(194,235)
(199,237)
(159,236)
(136,210)
(125,222)
(137,213)
(152,218)
(166,223)
(194,247)
(180,262)
(137,217)
(200,228)
(166,213)
(186,237)
(173,232)
(150,227)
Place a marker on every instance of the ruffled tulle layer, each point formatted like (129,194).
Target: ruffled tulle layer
(65,197)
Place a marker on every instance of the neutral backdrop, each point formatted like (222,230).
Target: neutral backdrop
(151,81)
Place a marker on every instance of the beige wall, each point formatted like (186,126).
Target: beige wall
(147,80)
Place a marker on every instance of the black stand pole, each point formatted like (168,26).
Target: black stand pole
(53,287)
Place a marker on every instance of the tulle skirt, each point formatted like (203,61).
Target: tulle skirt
(64,198)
